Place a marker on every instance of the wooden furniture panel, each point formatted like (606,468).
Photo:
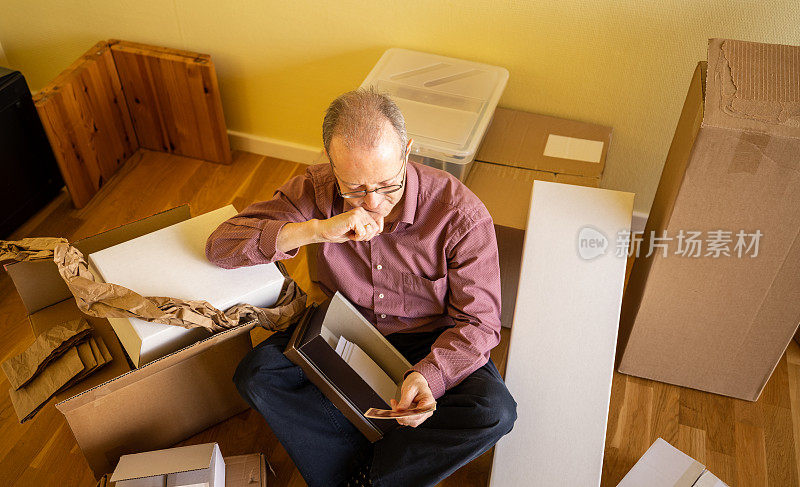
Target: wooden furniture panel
(87,122)
(174,100)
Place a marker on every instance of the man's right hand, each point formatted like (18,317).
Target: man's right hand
(357,224)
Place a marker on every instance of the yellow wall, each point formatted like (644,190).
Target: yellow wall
(626,64)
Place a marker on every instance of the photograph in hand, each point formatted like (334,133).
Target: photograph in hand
(391,414)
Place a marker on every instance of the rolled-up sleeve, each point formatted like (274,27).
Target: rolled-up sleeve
(473,303)
(251,237)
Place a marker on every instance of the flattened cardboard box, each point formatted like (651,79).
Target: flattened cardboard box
(543,143)
(722,324)
(663,465)
(119,410)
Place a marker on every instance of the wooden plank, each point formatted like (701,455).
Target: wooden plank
(87,125)
(174,100)
(62,140)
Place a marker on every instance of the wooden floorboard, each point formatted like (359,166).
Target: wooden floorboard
(743,443)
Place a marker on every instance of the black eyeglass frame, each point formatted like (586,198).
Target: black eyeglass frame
(382,190)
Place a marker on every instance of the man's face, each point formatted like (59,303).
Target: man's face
(358,169)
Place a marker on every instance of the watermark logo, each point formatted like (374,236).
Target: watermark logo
(716,244)
(592,243)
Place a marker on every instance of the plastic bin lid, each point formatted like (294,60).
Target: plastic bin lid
(447,103)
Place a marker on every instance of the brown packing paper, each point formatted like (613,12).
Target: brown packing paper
(96,355)
(104,352)
(113,301)
(107,300)
(86,351)
(47,347)
(28,249)
(28,399)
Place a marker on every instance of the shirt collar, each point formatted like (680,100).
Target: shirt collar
(410,194)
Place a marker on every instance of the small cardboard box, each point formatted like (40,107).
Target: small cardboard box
(663,465)
(703,319)
(545,143)
(313,347)
(561,353)
(119,410)
(185,466)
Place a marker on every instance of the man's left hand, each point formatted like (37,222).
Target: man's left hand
(414,393)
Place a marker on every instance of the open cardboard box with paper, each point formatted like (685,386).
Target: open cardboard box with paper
(121,410)
(313,347)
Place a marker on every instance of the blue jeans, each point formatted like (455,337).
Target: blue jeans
(469,419)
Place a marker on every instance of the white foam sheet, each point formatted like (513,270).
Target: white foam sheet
(563,341)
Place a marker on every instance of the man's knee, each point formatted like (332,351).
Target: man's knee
(499,410)
(255,368)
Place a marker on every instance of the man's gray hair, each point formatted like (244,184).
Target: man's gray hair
(358,117)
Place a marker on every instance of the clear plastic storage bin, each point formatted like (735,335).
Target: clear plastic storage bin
(447,103)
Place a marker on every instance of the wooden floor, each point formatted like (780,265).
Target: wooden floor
(745,444)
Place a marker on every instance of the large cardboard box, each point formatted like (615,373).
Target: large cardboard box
(561,352)
(312,347)
(715,322)
(663,465)
(543,143)
(119,410)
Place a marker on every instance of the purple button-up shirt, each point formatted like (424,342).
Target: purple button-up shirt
(435,267)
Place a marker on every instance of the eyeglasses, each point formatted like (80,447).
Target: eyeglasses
(382,190)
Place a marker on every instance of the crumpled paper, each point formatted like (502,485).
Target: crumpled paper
(27,400)
(108,300)
(21,369)
(38,248)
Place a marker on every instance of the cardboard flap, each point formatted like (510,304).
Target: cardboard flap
(149,369)
(162,462)
(40,285)
(132,230)
(753,87)
(663,465)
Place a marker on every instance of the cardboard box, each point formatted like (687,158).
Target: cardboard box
(185,466)
(313,347)
(148,408)
(172,262)
(663,465)
(246,471)
(506,190)
(561,352)
(721,323)
(545,143)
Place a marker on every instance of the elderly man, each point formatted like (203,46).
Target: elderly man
(416,252)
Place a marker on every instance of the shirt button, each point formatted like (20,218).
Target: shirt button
(380,295)
(379,267)
(383,316)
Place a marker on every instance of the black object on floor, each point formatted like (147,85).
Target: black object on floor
(29,174)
